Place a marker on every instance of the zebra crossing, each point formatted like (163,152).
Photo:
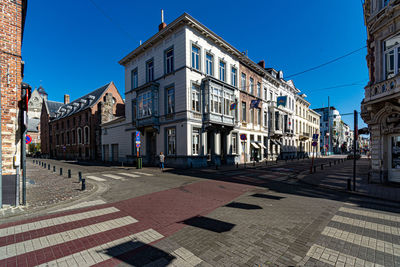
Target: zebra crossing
(122,176)
(358,236)
(82,238)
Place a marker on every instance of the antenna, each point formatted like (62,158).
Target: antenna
(162,15)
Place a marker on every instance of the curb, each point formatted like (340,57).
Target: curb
(333,188)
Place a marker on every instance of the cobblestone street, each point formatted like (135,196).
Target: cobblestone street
(254,217)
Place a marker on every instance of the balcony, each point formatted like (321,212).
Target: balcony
(383,89)
(304,135)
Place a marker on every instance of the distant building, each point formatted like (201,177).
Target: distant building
(73,130)
(34,112)
(48,113)
(380,108)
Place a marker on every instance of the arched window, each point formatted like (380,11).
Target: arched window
(86,134)
(79,136)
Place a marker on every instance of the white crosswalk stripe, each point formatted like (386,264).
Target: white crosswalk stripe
(129,174)
(62,237)
(96,178)
(113,176)
(143,173)
(368,225)
(333,257)
(383,216)
(55,221)
(106,251)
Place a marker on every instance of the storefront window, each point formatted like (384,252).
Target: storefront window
(396,152)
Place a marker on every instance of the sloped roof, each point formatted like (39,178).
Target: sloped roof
(33,125)
(52,107)
(81,103)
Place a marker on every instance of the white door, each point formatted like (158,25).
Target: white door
(394,158)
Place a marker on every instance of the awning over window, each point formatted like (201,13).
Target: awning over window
(262,145)
(255,145)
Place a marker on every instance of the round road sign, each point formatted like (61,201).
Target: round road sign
(28,139)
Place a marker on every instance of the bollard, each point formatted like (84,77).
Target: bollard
(80,176)
(322,166)
(60,171)
(349,184)
(216,166)
(83,184)
(54,168)
(48,166)
(330,164)
(69,173)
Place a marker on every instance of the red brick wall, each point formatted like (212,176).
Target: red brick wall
(11,78)
(44,131)
(245,96)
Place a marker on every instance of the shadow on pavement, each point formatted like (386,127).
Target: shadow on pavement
(243,206)
(136,253)
(209,224)
(267,196)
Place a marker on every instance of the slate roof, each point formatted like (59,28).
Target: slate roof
(52,107)
(80,104)
(33,125)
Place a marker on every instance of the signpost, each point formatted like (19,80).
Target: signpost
(314,144)
(139,160)
(243,137)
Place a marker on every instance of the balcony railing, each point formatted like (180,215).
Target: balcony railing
(382,89)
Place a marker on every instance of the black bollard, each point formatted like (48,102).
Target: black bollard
(80,176)
(60,171)
(330,164)
(83,184)
(216,166)
(69,173)
(322,166)
(348,184)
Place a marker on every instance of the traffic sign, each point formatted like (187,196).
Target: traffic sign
(243,137)
(137,145)
(28,139)
(138,136)
(314,143)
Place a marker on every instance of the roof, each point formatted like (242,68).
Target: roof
(52,107)
(33,125)
(82,103)
(185,18)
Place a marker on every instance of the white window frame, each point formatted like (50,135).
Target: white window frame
(251,85)
(216,100)
(209,64)
(150,70)
(171,138)
(395,51)
(195,98)
(234,143)
(196,57)
(222,70)
(196,135)
(259,89)
(135,78)
(243,79)
(170,104)
(169,61)
(234,76)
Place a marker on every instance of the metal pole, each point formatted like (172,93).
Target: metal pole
(23,151)
(1,151)
(355,148)
(329,127)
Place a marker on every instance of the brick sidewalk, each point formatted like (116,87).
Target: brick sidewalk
(335,177)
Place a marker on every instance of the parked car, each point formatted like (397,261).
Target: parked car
(37,154)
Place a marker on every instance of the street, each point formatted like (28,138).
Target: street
(260,216)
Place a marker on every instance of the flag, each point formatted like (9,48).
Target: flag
(233,106)
(281,100)
(254,103)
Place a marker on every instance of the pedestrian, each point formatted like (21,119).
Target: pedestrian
(162,159)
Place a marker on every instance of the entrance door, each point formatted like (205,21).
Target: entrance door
(394,158)
(151,147)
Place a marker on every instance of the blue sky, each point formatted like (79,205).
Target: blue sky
(71,47)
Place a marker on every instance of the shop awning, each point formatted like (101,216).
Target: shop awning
(274,142)
(279,142)
(255,145)
(262,145)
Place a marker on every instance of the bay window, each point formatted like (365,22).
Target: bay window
(216,100)
(145,104)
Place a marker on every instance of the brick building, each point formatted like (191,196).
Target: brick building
(12,20)
(48,113)
(73,130)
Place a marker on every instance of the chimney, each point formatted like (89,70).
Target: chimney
(162,25)
(262,64)
(66,99)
